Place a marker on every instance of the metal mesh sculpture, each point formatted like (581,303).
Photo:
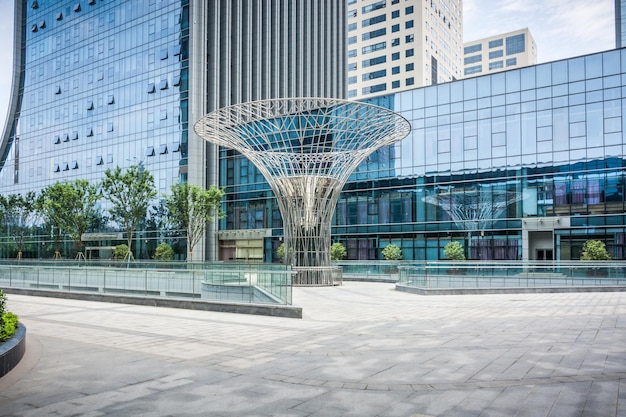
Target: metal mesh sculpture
(306,148)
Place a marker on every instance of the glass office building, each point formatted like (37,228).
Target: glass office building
(522,164)
(102,83)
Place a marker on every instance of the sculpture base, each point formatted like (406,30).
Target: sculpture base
(317,276)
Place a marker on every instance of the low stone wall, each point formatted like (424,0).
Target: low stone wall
(12,351)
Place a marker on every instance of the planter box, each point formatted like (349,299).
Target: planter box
(12,351)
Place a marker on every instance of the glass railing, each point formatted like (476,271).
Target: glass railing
(480,275)
(235,282)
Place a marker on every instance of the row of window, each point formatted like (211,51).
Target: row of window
(514,45)
(59,16)
(99,160)
(476,69)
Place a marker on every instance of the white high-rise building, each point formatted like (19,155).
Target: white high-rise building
(499,53)
(397,45)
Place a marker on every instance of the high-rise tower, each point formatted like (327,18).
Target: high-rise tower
(100,83)
(398,45)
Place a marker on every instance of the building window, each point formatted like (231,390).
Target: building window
(351,53)
(163,84)
(375,47)
(74,165)
(495,65)
(162,149)
(99,160)
(110,99)
(57,89)
(374,75)
(57,140)
(515,44)
(410,67)
(352,66)
(66,137)
(374,6)
(90,105)
(176,50)
(395,84)
(409,52)
(351,27)
(495,43)
(395,70)
(496,54)
(395,42)
(473,70)
(409,38)
(75,135)
(77,7)
(409,24)
(176,147)
(351,40)
(395,28)
(511,62)
(150,151)
(163,115)
(374,34)
(395,14)
(66,166)
(472,48)
(373,61)
(408,10)
(472,59)
(374,88)
(395,56)
(110,127)
(352,79)
(176,80)
(410,81)
(373,20)
(351,93)
(351,13)
(56,168)
(59,16)
(89,132)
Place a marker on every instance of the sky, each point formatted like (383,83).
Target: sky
(561,28)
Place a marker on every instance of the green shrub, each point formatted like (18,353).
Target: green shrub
(120,251)
(392,253)
(164,252)
(280,252)
(8,325)
(454,251)
(338,251)
(595,250)
(3,300)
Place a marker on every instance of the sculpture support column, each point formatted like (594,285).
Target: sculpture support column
(306,148)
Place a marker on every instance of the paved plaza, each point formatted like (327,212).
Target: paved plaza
(362,349)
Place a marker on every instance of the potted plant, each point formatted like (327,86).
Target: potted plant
(392,253)
(453,251)
(595,250)
(338,252)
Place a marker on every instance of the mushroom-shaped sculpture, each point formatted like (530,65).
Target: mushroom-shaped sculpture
(306,148)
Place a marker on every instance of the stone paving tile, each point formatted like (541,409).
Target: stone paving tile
(362,349)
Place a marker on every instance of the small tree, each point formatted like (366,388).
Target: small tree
(191,208)
(595,250)
(120,252)
(164,252)
(130,193)
(338,251)
(454,251)
(280,252)
(70,206)
(19,212)
(392,253)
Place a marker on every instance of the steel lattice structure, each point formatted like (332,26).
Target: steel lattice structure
(306,148)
